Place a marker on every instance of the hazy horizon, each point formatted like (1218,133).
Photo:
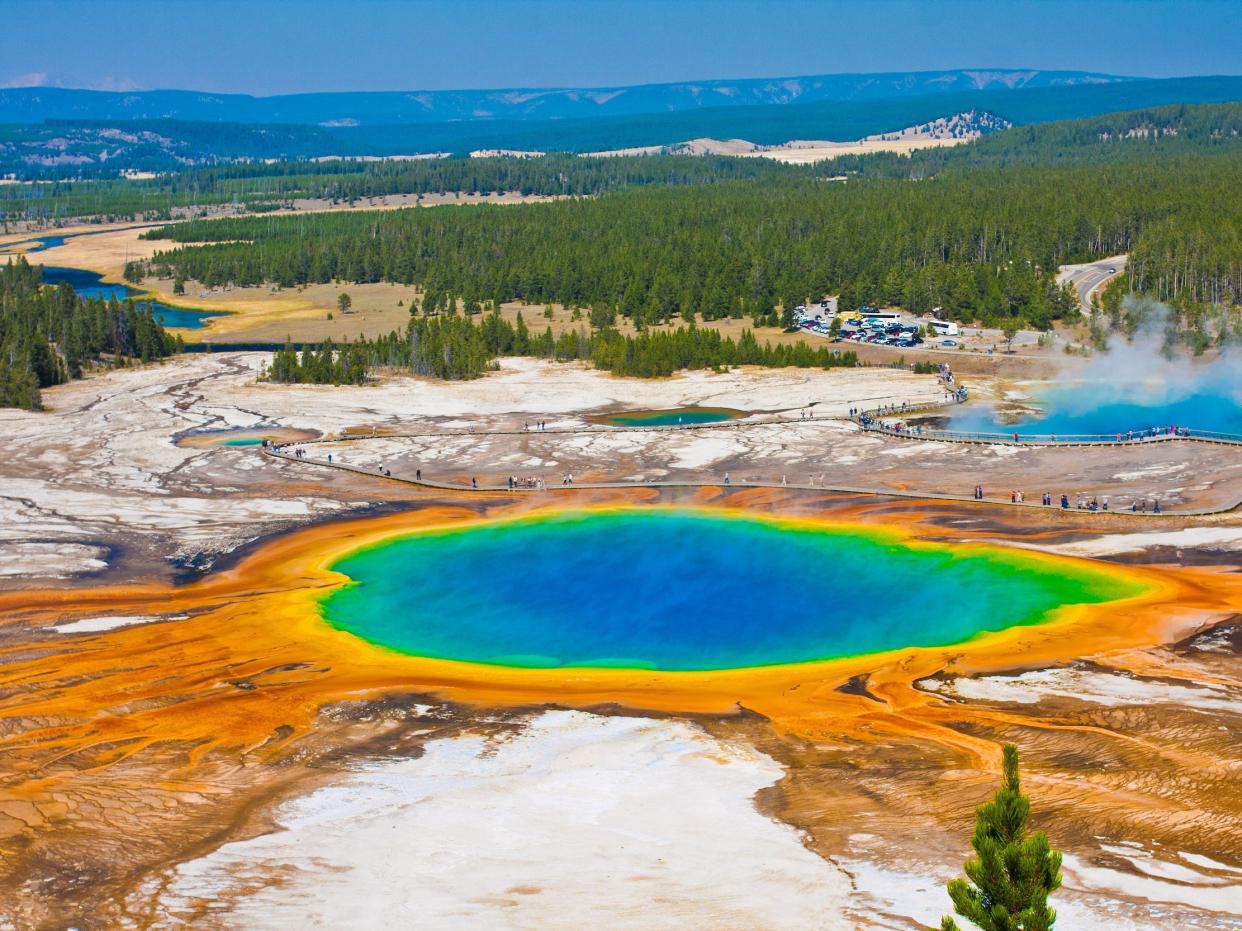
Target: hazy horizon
(316,46)
(602,87)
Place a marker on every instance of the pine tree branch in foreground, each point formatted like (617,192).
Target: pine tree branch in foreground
(1008,882)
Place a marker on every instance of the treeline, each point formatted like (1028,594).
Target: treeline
(552,174)
(259,187)
(1175,131)
(326,365)
(456,348)
(983,244)
(50,335)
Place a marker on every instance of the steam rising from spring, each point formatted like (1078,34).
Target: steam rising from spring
(1151,367)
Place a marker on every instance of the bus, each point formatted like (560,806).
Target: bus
(945,327)
(880,316)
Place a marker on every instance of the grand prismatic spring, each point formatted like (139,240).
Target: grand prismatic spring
(679,590)
(491,607)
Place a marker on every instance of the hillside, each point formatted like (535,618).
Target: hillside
(1154,133)
(59,149)
(947,130)
(37,104)
(63,149)
(1171,131)
(103,148)
(773,125)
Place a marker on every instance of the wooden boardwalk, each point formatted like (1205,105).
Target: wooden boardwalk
(283,452)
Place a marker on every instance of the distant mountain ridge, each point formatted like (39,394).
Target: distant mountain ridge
(60,149)
(363,108)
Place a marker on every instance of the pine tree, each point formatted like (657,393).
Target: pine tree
(1013,872)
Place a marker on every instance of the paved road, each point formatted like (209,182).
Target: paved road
(1086,279)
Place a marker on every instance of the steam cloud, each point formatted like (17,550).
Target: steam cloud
(1150,368)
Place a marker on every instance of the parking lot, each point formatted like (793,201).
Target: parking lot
(876,327)
(896,329)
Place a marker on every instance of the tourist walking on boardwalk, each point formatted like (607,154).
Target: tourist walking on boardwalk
(474,482)
(418,475)
(726,478)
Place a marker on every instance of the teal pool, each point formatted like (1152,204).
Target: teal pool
(241,437)
(687,590)
(672,417)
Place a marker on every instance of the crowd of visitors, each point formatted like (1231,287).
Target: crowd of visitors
(1080,503)
(531,482)
(867,420)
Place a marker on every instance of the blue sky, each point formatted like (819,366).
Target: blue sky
(289,46)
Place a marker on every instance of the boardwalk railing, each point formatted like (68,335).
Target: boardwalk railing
(873,421)
(1048,439)
(881,421)
(1119,510)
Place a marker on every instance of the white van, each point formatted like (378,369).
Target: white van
(945,327)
